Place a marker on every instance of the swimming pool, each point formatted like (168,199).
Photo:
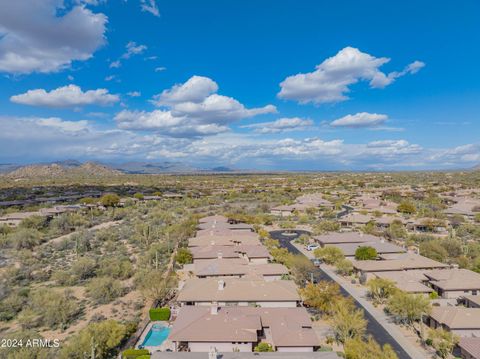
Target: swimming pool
(156,335)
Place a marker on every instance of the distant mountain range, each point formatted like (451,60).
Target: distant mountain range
(72,168)
(63,169)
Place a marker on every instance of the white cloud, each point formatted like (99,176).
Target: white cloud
(160,69)
(331,79)
(115,64)
(281,125)
(66,96)
(150,6)
(191,109)
(196,89)
(469,153)
(54,139)
(164,122)
(391,148)
(133,49)
(361,119)
(33,38)
(67,126)
(134,93)
(110,77)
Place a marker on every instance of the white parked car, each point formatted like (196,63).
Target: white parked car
(312,247)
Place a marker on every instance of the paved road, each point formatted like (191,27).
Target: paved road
(374,328)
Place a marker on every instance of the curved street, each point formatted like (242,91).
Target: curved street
(374,328)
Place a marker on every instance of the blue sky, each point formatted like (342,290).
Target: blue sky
(303,85)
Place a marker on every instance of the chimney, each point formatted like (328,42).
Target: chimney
(221,284)
(214,308)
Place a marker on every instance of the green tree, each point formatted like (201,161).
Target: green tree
(434,250)
(330,255)
(408,308)
(443,341)
(364,253)
(370,349)
(110,200)
(98,340)
(155,286)
(301,268)
(347,322)
(326,226)
(380,289)
(321,296)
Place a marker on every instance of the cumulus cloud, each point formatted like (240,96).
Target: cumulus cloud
(196,89)
(360,120)
(285,124)
(165,122)
(35,38)
(190,109)
(66,96)
(134,93)
(150,6)
(391,148)
(331,79)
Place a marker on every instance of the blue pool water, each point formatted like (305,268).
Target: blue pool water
(156,335)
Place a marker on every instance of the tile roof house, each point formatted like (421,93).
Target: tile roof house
(454,283)
(464,322)
(381,247)
(355,220)
(238,268)
(246,355)
(345,237)
(472,301)
(469,348)
(223,240)
(240,292)
(403,262)
(253,253)
(229,329)
(404,281)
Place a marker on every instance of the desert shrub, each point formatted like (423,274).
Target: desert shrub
(104,289)
(118,268)
(184,256)
(263,347)
(84,268)
(364,253)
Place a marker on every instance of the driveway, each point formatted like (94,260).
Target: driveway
(378,326)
